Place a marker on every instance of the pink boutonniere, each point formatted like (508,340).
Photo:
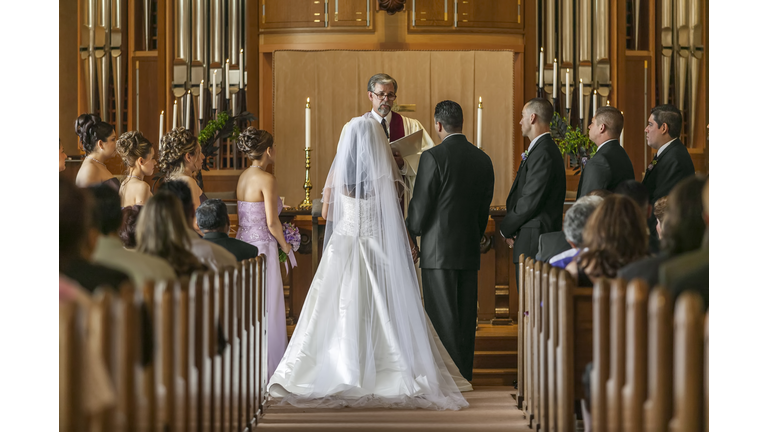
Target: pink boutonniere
(651,165)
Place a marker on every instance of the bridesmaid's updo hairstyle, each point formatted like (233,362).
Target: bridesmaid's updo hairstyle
(173,147)
(91,129)
(254,142)
(131,146)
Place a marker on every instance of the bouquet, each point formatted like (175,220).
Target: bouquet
(293,237)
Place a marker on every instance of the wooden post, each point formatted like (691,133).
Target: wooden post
(601,354)
(634,391)
(565,378)
(521,365)
(528,278)
(688,364)
(542,279)
(533,312)
(617,334)
(658,406)
(551,347)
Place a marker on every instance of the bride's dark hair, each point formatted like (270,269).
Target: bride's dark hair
(91,130)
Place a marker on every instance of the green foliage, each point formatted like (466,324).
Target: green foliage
(571,141)
(223,127)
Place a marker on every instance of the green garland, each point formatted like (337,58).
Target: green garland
(223,127)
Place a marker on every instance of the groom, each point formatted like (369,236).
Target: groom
(449,210)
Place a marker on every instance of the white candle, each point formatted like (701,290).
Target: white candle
(215,99)
(200,105)
(162,126)
(541,68)
(188,124)
(480,124)
(621,137)
(567,89)
(175,114)
(307,132)
(226,80)
(594,102)
(555,88)
(581,99)
(242,69)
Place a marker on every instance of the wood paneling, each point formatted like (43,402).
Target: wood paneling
(68,68)
(635,119)
(148,120)
(281,14)
(430,13)
(496,15)
(350,13)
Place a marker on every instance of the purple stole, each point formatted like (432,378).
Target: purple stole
(396,131)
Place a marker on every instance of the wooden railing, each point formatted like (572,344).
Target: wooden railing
(637,382)
(208,366)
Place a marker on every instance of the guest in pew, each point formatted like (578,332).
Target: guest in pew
(97,139)
(684,229)
(659,210)
(62,158)
(78,233)
(139,159)
(602,193)
(639,194)
(181,158)
(212,255)
(109,250)
(213,220)
(127,231)
(610,165)
(615,235)
(690,271)
(573,227)
(162,232)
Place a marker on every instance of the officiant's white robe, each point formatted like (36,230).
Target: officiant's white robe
(411,164)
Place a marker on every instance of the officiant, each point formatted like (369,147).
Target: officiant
(382,92)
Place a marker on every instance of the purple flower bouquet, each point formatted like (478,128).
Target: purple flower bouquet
(293,237)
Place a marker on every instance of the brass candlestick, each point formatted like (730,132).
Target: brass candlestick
(307,203)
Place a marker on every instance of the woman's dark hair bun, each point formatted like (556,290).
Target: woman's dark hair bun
(91,129)
(254,142)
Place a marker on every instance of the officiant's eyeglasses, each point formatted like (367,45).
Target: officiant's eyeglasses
(381,96)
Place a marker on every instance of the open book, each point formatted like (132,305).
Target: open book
(408,145)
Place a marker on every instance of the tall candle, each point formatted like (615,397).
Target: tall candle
(200,105)
(581,99)
(594,102)
(226,80)
(215,99)
(175,114)
(567,89)
(555,88)
(541,68)
(242,69)
(188,124)
(307,132)
(162,126)
(480,124)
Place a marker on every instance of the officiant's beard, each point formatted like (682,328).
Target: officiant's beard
(384,109)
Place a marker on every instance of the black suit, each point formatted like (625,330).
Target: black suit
(609,167)
(535,202)
(240,249)
(646,269)
(551,244)
(673,165)
(449,210)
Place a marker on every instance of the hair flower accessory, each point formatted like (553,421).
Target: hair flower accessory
(524,155)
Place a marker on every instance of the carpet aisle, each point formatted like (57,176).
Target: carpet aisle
(490,409)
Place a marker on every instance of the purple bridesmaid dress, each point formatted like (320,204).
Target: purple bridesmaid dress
(252,219)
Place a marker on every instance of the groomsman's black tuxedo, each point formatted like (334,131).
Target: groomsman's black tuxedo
(673,165)
(449,210)
(535,202)
(607,168)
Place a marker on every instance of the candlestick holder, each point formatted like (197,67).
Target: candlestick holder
(307,203)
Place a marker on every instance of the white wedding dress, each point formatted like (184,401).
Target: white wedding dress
(363,338)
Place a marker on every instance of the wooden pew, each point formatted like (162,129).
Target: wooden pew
(658,406)
(530,331)
(551,347)
(601,306)
(617,355)
(688,368)
(521,365)
(706,373)
(634,391)
(71,344)
(543,310)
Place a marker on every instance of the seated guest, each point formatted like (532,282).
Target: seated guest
(659,209)
(213,219)
(615,235)
(639,194)
(683,230)
(127,231)
(78,232)
(139,159)
(573,226)
(602,193)
(109,250)
(162,232)
(555,243)
(211,254)
(97,139)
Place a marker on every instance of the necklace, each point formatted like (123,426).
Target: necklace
(133,176)
(256,166)
(97,161)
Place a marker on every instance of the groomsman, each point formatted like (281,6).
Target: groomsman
(535,202)
(610,165)
(449,210)
(670,164)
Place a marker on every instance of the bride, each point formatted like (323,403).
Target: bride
(363,338)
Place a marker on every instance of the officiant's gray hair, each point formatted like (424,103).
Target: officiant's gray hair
(383,79)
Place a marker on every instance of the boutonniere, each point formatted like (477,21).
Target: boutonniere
(651,165)
(584,161)
(524,155)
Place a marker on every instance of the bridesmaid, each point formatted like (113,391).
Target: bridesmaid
(98,141)
(139,158)
(258,208)
(180,159)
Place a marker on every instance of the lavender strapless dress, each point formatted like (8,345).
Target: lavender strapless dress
(252,219)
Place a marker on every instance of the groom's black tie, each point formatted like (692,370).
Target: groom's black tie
(384,125)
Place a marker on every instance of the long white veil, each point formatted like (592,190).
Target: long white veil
(363,338)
